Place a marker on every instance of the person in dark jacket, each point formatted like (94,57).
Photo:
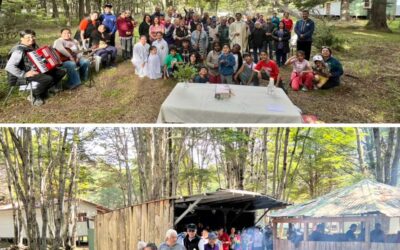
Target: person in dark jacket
(269,43)
(86,27)
(281,38)
(101,41)
(336,69)
(191,241)
(223,32)
(109,20)
(212,240)
(145,26)
(258,38)
(305,29)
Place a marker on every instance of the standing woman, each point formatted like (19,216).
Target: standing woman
(180,33)
(199,41)
(125,30)
(154,28)
(281,36)
(145,26)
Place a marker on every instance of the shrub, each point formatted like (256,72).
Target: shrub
(326,35)
(185,73)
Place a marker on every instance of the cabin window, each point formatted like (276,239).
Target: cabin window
(82,217)
(367,4)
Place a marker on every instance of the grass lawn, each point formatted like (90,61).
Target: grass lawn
(370,91)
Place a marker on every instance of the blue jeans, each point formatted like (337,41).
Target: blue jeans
(74,78)
(104,53)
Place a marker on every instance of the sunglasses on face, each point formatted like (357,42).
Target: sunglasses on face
(192,230)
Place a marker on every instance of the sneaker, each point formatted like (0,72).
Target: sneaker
(37,101)
(315,87)
(304,89)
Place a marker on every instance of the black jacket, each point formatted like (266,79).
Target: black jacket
(190,245)
(258,37)
(285,40)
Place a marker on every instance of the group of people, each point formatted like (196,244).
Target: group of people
(221,50)
(319,234)
(196,238)
(232,51)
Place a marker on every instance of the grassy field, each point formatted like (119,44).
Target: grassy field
(370,92)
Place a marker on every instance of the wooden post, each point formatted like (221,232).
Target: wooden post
(225,219)
(306,231)
(367,231)
(274,233)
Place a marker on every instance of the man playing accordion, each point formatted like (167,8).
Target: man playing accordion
(21,70)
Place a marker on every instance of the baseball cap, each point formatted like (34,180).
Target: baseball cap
(318,58)
(212,236)
(191,226)
(108,5)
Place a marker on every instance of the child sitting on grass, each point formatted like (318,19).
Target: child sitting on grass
(246,73)
(321,71)
(302,75)
(202,77)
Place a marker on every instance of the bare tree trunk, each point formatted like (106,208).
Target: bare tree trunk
(345,10)
(378,152)
(388,155)
(396,161)
(360,152)
(276,156)
(155,163)
(55,9)
(283,179)
(265,158)
(59,213)
(88,6)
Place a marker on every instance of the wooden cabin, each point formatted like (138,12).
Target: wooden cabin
(122,229)
(364,204)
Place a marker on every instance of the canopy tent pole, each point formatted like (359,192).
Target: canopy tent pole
(190,208)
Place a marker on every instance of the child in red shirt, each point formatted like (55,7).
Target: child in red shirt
(267,66)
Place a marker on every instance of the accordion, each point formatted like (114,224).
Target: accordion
(44,59)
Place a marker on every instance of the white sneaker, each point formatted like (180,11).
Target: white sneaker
(304,89)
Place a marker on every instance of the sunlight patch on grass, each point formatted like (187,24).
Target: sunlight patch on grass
(367,34)
(112,93)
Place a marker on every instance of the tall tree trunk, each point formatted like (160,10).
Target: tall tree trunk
(360,152)
(396,161)
(378,151)
(282,184)
(88,6)
(265,158)
(55,9)
(378,20)
(388,155)
(345,10)
(276,157)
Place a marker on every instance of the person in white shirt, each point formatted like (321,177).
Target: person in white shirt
(140,56)
(162,47)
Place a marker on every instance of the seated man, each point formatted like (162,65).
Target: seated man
(171,62)
(101,42)
(68,50)
(20,69)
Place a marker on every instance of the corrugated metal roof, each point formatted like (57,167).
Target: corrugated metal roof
(231,198)
(365,197)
